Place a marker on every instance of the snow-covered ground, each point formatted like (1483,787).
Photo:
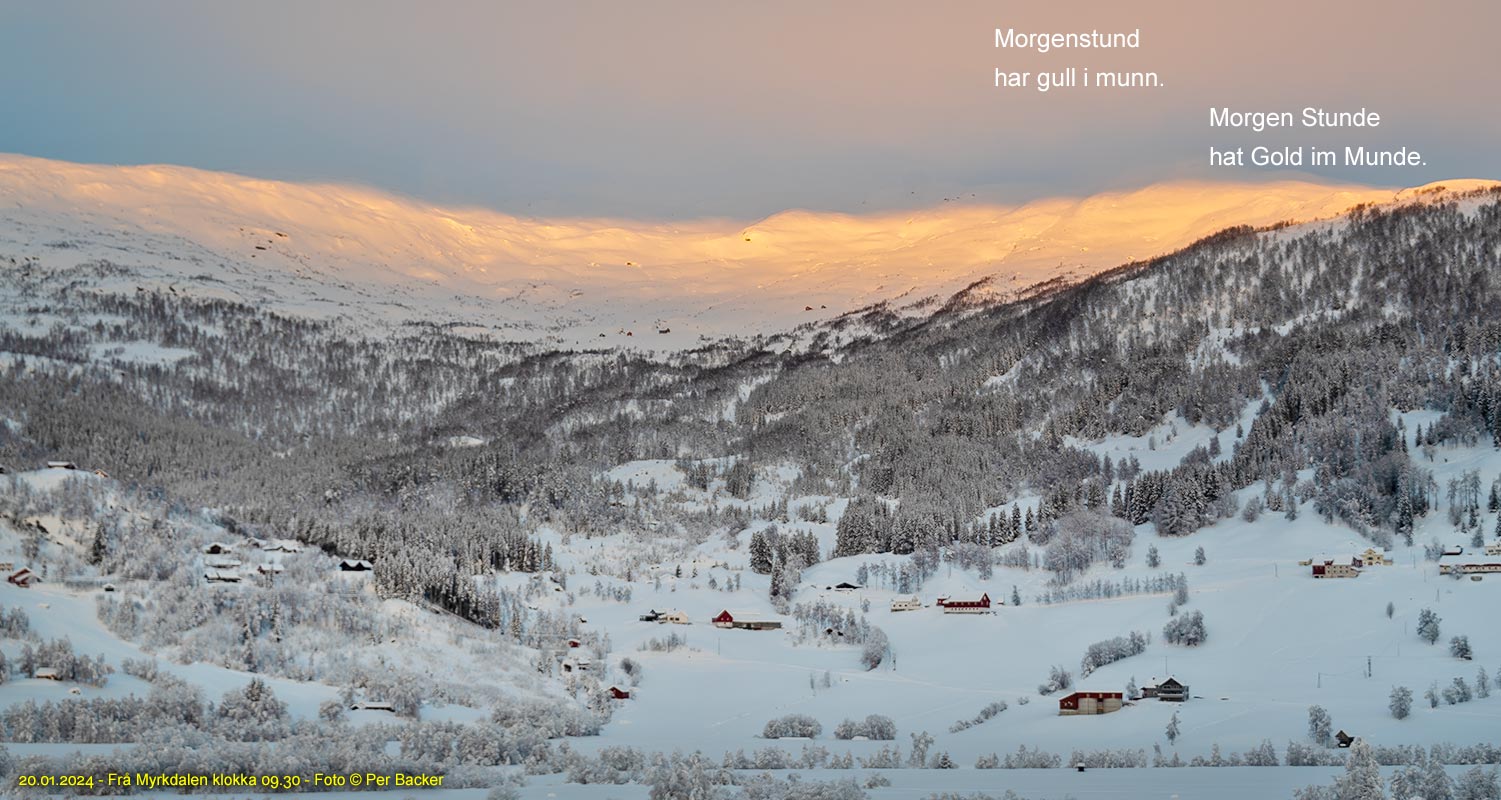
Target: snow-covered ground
(1278,642)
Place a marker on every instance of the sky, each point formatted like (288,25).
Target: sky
(685,110)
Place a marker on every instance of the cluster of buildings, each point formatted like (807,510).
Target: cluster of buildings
(1170,690)
(1348,568)
(950,605)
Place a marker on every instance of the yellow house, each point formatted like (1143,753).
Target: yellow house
(1374,558)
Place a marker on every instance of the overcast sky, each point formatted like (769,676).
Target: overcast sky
(706,109)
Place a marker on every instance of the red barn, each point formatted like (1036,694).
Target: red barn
(619,694)
(952,606)
(724,620)
(23,578)
(1090,703)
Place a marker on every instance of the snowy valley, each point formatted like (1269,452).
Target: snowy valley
(1266,465)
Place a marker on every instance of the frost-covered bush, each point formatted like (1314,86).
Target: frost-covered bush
(766,787)
(1058,679)
(874,650)
(986,714)
(875,727)
(1187,630)
(792,725)
(1457,692)
(252,713)
(1034,758)
(1081,538)
(1111,650)
(547,720)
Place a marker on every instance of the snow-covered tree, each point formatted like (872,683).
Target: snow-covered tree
(1400,703)
(1428,625)
(1320,727)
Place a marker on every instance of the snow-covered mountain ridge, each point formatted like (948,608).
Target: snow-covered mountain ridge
(373,259)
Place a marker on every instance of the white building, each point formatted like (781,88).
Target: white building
(913,603)
(675,616)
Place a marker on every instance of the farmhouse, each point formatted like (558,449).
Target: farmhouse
(744,622)
(1169,690)
(1473,567)
(1373,558)
(355,565)
(952,606)
(912,603)
(24,578)
(1089,703)
(1330,569)
(675,617)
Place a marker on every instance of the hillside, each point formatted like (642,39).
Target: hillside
(373,260)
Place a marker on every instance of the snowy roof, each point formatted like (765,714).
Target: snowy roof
(228,575)
(46,672)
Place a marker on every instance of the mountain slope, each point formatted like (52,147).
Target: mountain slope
(374,259)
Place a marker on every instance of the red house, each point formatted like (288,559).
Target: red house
(1090,703)
(23,578)
(724,620)
(952,606)
(619,694)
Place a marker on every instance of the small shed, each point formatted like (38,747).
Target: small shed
(577,665)
(617,693)
(61,465)
(373,705)
(846,587)
(23,578)
(1343,739)
(221,576)
(47,674)
(218,549)
(651,616)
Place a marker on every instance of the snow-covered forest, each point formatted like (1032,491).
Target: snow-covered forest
(281,545)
